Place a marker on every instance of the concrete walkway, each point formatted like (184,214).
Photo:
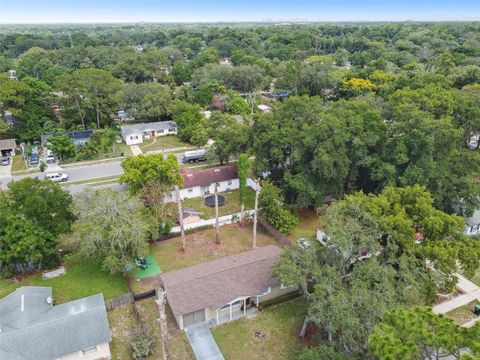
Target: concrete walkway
(472,293)
(465,285)
(203,343)
(136,150)
(457,302)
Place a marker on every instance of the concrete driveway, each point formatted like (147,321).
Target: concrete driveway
(203,343)
(5,171)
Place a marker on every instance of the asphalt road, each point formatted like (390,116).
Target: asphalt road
(81,173)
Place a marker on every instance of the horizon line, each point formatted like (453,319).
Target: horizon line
(227,22)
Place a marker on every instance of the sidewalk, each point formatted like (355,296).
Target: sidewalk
(472,293)
(457,302)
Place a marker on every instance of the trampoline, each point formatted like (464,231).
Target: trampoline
(210,200)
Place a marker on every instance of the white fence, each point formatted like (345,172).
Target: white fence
(222,220)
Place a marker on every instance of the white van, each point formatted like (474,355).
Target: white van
(57,177)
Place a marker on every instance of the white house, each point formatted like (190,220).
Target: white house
(137,133)
(472,224)
(201,182)
(32,328)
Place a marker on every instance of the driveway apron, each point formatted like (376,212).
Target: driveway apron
(203,343)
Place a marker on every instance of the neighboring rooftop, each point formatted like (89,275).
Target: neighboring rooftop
(474,219)
(78,137)
(31,328)
(264,107)
(205,177)
(215,283)
(7,144)
(147,127)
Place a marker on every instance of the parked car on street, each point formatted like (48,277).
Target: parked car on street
(5,160)
(57,177)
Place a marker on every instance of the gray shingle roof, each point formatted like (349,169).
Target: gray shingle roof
(45,332)
(7,144)
(214,283)
(147,127)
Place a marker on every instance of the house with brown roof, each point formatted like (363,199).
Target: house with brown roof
(224,289)
(201,182)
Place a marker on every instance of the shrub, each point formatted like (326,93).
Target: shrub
(142,344)
(281,299)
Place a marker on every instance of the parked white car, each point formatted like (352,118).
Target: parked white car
(57,177)
(49,157)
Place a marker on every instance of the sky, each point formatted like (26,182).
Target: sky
(114,11)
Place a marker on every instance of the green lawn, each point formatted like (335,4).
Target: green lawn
(231,205)
(163,142)
(124,323)
(463,314)
(201,246)
(280,324)
(18,163)
(82,279)
(309,221)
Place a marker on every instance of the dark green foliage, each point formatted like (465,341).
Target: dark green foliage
(273,208)
(34,214)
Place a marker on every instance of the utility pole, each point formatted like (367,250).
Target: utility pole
(217,225)
(163,321)
(180,216)
(255,215)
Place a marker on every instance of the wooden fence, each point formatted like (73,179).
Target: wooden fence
(128,298)
(281,238)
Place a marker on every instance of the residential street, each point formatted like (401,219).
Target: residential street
(80,173)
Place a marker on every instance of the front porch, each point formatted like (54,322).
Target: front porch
(235,309)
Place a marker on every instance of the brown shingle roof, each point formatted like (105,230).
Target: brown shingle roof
(215,283)
(205,177)
(7,144)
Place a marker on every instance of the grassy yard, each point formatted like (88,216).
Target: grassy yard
(124,323)
(231,205)
(463,314)
(163,142)
(82,279)
(201,246)
(280,324)
(18,163)
(307,226)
